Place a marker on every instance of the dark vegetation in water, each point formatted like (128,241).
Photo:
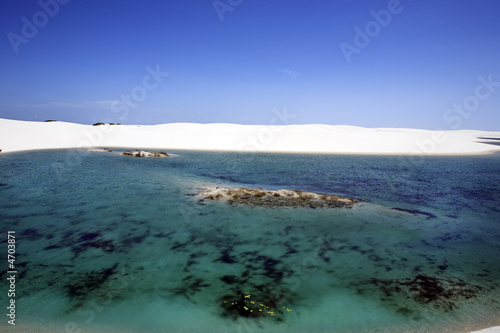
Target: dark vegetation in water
(192,259)
(264,277)
(416,212)
(84,284)
(249,305)
(442,294)
(226,257)
(81,242)
(230,279)
(260,274)
(269,268)
(291,250)
(161,234)
(92,240)
(178,246)
(130,241)
(189,286)
(447,237)
(30,234)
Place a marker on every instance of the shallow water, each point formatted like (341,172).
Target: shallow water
(121,244)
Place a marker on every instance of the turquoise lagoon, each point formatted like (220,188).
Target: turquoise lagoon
(107,243)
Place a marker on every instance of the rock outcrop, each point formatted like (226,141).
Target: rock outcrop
(279,198)
(100,150)
(144,153)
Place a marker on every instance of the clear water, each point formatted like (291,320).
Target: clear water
(107,243)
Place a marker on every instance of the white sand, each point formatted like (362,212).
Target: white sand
(27,135)
(490,330)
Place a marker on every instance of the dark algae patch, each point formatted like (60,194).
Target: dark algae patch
(31,234)
(249,305)
(230,279)
(226,257)
(92,240)
(81,242)
(440,293)
(86,284)
(190,286)
(416,212)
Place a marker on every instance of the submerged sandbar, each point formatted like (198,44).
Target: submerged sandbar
(277,198)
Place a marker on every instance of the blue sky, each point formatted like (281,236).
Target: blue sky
(420,65)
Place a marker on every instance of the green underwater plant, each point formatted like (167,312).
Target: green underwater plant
(246,305)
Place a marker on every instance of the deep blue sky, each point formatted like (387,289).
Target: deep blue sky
(264,55)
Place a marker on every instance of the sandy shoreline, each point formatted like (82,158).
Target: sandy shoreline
(495,329)
(18,135)
(44,327)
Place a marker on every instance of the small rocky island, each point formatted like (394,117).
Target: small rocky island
(100,150)
(278,198)
(144,153)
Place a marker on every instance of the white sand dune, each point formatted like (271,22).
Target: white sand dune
(18,135)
